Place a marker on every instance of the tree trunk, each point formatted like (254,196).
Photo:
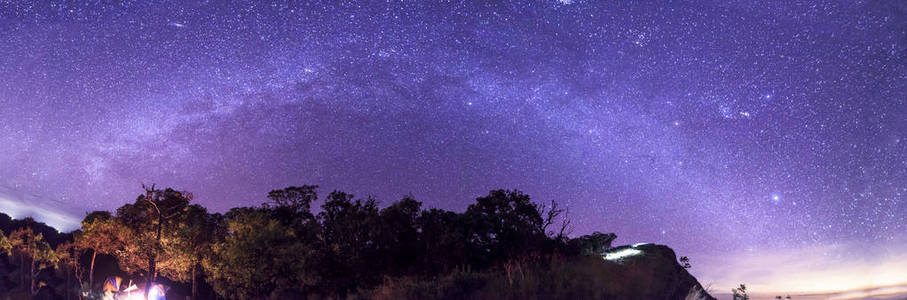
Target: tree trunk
(76,271)
(25,276)
(151,262)
(94,253)
(31,276)
(22,270)
(68,283)
(194,285)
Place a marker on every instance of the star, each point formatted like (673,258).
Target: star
(619,109)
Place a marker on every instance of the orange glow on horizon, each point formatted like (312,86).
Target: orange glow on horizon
(832,268)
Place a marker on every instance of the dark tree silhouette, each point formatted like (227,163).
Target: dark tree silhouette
(350,232)
(739,293)
(282,250)
(506,224)
(297,199)
(398,238)
(685,262)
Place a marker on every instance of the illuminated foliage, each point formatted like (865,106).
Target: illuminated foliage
(144,222)
(259,257)
(5,245)
(37,251)
(101,233)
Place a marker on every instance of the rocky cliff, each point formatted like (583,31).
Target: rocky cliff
(649,271)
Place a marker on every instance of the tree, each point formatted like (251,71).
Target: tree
(146,220)
(5,245)
(102,234)
(740,293)
(507,224)
(189,238)
(685,261)
(399,235)
(68,254)
(292,207)
(444,240)
(294,198)
(259,257)
(39,253)
(350,231)
(551,214)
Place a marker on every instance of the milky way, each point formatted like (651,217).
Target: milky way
(711,127)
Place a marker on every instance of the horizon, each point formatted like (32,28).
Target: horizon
(748,137)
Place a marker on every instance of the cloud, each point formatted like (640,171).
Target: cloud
(19,205)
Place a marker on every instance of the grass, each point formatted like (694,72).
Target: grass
(550,277)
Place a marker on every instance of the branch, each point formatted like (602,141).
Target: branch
(550,215)
(565,225)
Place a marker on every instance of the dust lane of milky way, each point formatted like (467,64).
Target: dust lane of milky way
(729,131)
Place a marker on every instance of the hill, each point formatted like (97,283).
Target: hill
(641,271)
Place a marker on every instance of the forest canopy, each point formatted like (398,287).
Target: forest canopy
(284,248)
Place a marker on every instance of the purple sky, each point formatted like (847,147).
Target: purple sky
(711,127)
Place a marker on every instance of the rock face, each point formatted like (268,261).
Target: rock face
(649,271)
(594,244)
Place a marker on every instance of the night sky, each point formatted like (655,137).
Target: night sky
(759,139)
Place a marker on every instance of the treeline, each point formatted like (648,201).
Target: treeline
(282,249)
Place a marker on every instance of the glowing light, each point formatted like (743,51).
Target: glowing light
(135,296)
(621,254)
(156,292)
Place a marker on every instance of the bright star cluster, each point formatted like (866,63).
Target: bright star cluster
(713,127)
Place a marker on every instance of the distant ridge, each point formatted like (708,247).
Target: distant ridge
(51,235)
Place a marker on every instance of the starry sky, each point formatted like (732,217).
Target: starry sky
(725,129)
